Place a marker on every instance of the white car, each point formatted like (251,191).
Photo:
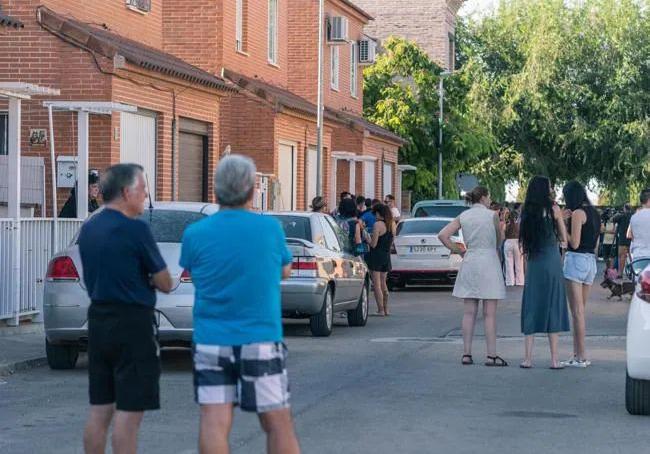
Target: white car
(637,386)
(419,258)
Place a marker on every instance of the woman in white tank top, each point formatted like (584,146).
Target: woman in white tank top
(480,276)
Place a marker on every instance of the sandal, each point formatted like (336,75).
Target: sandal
(469,361)
(496,361)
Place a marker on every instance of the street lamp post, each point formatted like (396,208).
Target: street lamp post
(319,101)
(441,95)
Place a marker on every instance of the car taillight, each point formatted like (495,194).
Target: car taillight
(185,276)
(644,291)
(62,269)
(304,267)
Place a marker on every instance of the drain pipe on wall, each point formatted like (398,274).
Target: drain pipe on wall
(174,138)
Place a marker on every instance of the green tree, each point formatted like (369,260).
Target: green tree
(564,88)
(401,94)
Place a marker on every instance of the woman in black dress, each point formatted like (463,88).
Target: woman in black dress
(379,256)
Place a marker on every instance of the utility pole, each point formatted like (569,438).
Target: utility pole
(441,96)
(319,101)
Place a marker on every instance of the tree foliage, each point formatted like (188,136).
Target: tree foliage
(552,87)
(566,86)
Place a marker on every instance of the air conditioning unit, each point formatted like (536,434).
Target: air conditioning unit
(337,29)
(367,51)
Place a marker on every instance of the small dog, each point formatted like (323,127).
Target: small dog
(617,286)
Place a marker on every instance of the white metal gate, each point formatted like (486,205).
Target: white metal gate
(36,236)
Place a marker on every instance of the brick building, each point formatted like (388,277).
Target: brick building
(430,23)
(204,75)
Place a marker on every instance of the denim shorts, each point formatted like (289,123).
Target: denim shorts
(580,267)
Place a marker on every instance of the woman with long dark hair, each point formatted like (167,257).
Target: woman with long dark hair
(378,259)
(580,263)
(543,306)
(480,277)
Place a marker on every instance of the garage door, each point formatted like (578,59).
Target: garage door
(138,144)
(388,178)
(287,176)
(369,179)
(191,165)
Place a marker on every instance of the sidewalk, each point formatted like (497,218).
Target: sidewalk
(21,347)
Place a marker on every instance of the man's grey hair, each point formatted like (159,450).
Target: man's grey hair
(234,180)
(118,177)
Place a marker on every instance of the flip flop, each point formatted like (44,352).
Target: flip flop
(556,368)
(522,366)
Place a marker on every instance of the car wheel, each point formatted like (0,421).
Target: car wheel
(637,396)
(321,323)
(61,356)
(359,315)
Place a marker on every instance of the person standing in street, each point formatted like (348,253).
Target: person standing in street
(480,277)
(622,222)
(639,231)
(318,205)
(368,217)
(378,259)
(543,303)
(390,201)
(514,259)
(236,259)
(580,263)
(69,209)
(122,268)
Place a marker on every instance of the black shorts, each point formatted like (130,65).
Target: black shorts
(123,356)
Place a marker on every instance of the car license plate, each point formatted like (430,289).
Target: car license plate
(422,249)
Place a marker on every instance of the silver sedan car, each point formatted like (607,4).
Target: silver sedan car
(323,281)
(65,301)
(326,277)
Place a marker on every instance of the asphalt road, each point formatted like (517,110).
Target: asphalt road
(394,386)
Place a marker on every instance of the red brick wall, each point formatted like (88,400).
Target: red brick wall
(254,62)
(34,55)
(192,30)
(303,54)
(144,28)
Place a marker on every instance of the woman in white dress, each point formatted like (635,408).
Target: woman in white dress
(480,277)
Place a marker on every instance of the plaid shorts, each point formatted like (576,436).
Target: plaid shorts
(253,376)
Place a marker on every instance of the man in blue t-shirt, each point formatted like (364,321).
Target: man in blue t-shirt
(237,259)
(122,268)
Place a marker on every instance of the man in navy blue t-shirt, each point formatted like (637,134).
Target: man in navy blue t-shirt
(122,268)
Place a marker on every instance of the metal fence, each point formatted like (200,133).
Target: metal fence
(36,239)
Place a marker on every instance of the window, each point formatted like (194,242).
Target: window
(447,211)
(344,239)
(167,226)
(432,227)
(354,56)
(334,63)
(332,243)
(4,134)
(142,6)
(295,226)
(239,25)
(273,32)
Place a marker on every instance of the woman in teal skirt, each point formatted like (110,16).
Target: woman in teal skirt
(542,235)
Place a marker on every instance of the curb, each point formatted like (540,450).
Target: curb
(11,368)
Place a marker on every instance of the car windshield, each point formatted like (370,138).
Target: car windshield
(168,226)
(442,211)
(295,226)
(431,227)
